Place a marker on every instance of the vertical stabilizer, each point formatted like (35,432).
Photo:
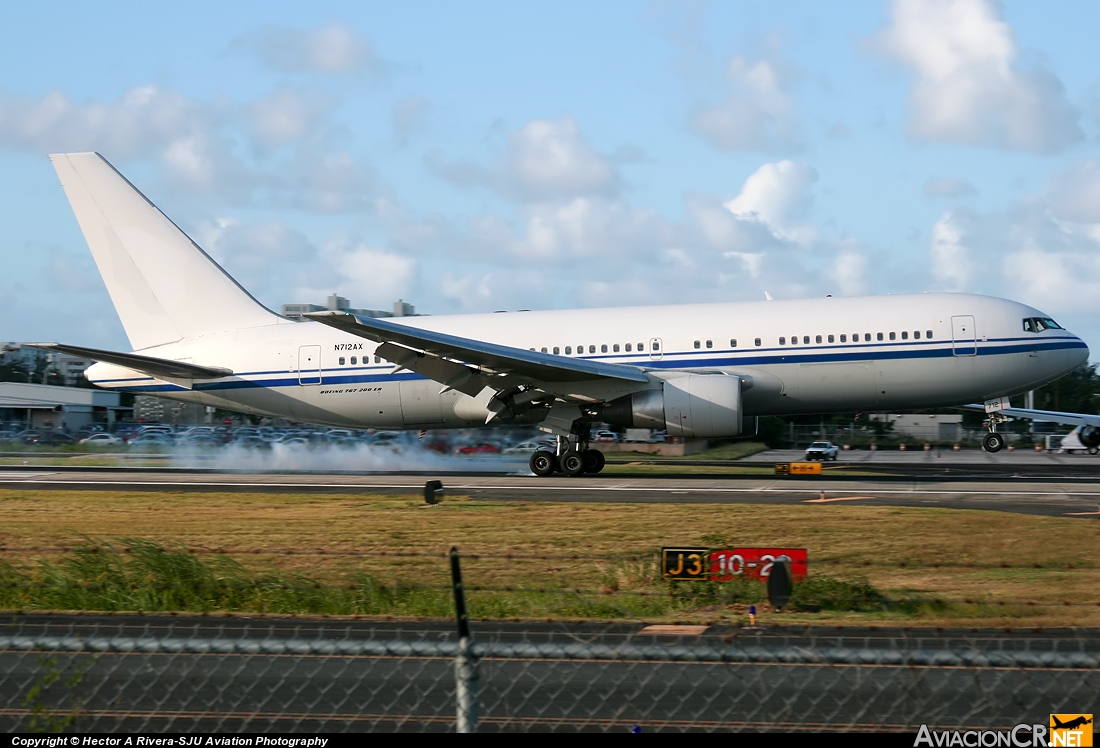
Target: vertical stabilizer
(163,286)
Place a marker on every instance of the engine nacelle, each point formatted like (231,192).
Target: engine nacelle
(692,405)
(1089,436)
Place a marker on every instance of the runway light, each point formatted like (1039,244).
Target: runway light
(433,492)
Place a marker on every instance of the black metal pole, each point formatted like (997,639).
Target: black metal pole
(460,596)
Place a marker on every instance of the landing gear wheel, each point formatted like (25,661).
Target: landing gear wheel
(993,442)
(543,463)
(1094,450)
(593,460)
(572,463)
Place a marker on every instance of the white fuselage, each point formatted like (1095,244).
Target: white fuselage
(805,356)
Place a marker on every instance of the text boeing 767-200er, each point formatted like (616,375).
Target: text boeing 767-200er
(695,370)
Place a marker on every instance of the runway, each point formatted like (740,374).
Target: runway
(1066,496)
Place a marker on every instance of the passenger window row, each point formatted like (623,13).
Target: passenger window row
(855,337)
(355,360)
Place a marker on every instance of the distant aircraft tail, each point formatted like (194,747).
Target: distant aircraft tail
(163,285)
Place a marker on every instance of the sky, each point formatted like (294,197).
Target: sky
(482,156)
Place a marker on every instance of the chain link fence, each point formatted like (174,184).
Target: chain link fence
(111,674)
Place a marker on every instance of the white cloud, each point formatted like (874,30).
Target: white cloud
(949,188)
(141,123)
(368,276)
(409,117)
(849,270)
(337,48)
(1074,193)
(777,195)
(544,160)
(952,266)
(286,116)
(968,88)
(758,114)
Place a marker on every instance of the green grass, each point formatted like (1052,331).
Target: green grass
(139,575)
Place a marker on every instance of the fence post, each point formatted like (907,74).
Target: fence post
(467,679)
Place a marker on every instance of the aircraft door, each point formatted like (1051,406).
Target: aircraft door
(309,364)
(656,349)
(963,335)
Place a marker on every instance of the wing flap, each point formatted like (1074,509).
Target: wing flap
(155,367)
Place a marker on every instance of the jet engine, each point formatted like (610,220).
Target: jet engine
(1090,436)
(692,405)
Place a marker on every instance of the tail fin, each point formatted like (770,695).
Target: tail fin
(164,287)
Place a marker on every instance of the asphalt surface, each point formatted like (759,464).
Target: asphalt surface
(1012,490)
(224,692)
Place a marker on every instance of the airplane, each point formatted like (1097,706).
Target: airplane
(694,370)
(1072,724)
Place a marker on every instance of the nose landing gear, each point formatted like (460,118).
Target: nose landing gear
(994,442)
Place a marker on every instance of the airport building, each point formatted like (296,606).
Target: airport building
(56,368)
(336,303)
(50,408)
(943,427)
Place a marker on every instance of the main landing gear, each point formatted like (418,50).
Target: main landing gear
(572,457)
(994,442)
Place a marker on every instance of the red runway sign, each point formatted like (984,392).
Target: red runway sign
(755,562)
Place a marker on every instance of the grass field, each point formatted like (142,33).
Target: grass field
(374,554)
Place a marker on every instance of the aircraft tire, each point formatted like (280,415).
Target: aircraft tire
(993,442)
(593,460)
(1094,450)
(543,463)
(572,463)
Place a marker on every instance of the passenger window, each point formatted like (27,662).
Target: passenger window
(758,342)
(544,350)
(733,343)
(880,336)
(782,341)
(893,336)
(603,348)
(710,344)
(696,345)
(656,346)
(377,359)
(354,360)
(830,338)
(928,334)
(904,335)
(818,339)
(641,347)
(916,335)
(341,361)
(592,349)
(806,339)
(615,348)
(568,350)
(556,350)
(844,338)
(867,337)
(628,347)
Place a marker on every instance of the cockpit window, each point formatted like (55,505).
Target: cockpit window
(1039,324)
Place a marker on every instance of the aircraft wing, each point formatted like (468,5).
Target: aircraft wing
(1049,416)
(496,359)
(155,367)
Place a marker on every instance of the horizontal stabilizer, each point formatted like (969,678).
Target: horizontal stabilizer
(502,359)
(155,367)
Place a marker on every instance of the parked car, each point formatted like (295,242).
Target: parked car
(151,440)
(530,446)
(55,439)
(484,448)
(605,437)
(822,451)
(9,436)
(101,438)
